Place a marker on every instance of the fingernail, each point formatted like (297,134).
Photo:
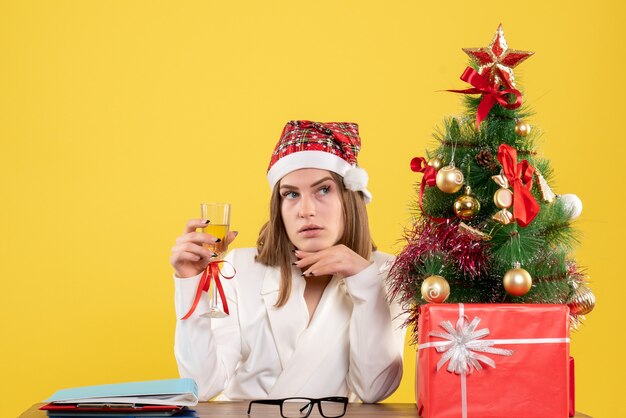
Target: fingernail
(236,233)
(218,240)
(303,274)
(206,222)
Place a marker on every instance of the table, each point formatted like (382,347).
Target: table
(239,409)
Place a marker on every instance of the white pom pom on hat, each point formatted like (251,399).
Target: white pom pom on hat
(355,179)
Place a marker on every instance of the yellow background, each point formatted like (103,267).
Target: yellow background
(118,117)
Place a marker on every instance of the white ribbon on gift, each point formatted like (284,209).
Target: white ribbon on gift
(464,345)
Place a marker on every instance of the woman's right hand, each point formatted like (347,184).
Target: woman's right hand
(189,256)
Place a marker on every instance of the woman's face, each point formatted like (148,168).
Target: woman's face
(311,209)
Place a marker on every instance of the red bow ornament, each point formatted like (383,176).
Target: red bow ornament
(212,272)
(520,176)
(420,165)
(491,94)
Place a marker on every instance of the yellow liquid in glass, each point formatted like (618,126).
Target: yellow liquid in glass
(218,231)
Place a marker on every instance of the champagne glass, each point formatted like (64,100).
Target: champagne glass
(219,216)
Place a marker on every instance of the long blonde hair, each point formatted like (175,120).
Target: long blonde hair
(274,247)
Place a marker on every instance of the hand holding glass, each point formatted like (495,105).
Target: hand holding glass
(218,215)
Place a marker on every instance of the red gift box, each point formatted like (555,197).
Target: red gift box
(572,387)
(493,361)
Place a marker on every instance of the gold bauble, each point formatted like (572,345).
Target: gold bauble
(435,289)
(466,206)
(435,163)
(517,281)
(522,128)
(449,179)
(582,301)
(503,198)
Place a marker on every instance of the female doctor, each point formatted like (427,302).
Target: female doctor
(308,310)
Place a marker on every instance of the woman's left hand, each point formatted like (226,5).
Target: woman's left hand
(338,259)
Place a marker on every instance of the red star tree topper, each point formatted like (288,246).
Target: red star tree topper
(496,62)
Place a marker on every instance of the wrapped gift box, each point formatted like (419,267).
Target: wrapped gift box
(572,388)
(505,360)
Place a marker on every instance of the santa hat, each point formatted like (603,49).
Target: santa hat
(331,146)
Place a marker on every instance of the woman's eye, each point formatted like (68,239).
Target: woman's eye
(324,190)
(290,195)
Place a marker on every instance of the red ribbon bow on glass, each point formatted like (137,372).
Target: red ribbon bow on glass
(490,93)
(212,272)
(420,165)
(520,176)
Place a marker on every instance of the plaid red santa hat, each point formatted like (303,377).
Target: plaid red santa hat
(331,146)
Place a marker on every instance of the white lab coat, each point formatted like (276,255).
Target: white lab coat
(352,347)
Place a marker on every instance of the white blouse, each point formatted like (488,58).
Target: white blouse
(352,347)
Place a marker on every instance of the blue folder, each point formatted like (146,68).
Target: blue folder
(181,392)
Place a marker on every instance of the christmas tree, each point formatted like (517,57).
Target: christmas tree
(487,227)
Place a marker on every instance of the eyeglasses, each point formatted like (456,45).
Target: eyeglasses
(330,407)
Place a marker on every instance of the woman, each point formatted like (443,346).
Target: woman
(308,310)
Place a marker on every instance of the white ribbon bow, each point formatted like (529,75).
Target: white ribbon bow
(464,347)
